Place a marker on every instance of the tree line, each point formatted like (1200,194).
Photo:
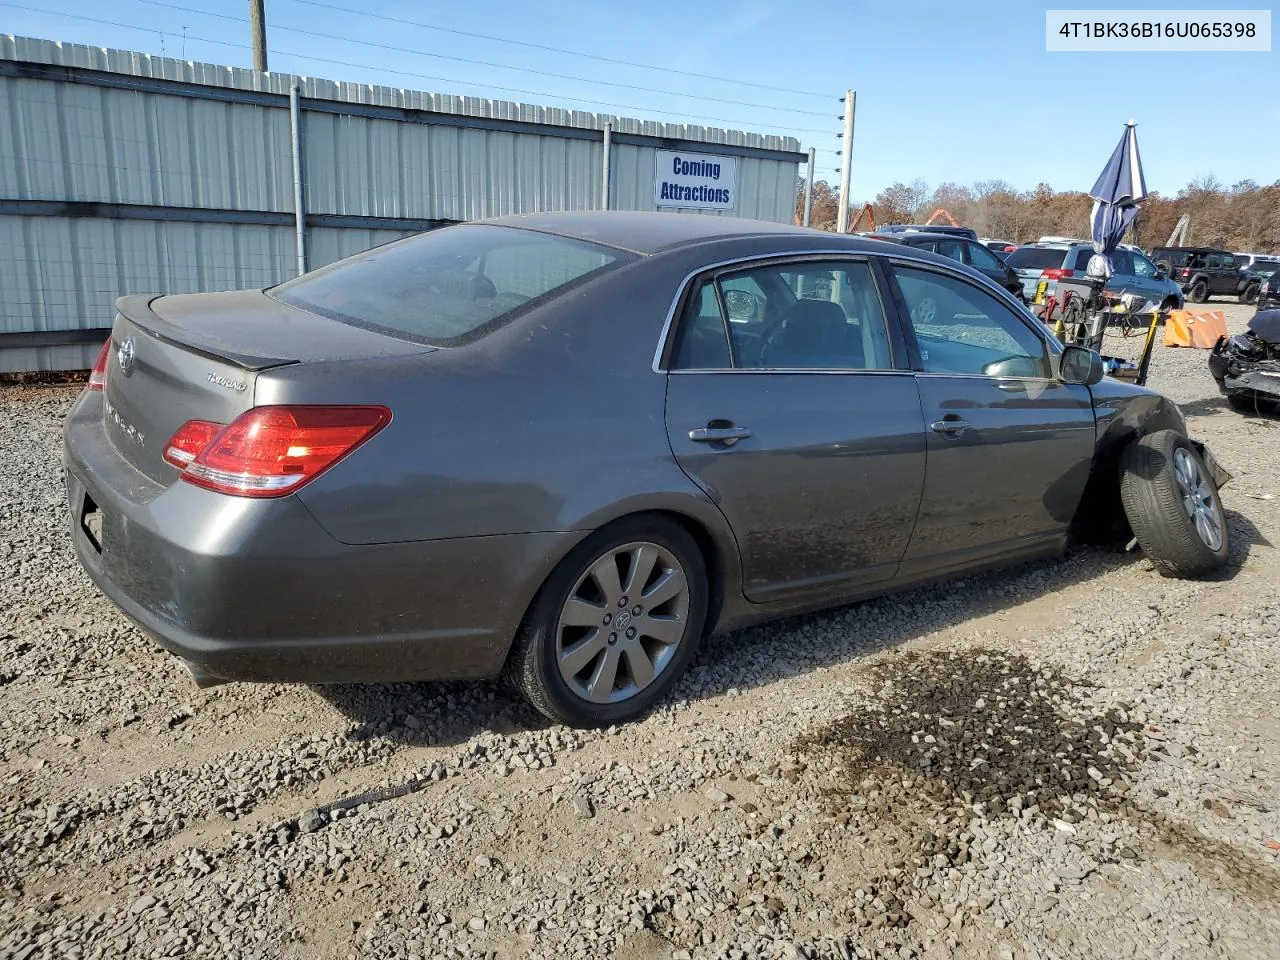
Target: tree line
(1244,217)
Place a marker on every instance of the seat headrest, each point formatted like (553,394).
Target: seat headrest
(814,326)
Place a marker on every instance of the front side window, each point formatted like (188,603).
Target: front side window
(447,286)
(1142,267)
(962,329)
(980,256)
(1121,263)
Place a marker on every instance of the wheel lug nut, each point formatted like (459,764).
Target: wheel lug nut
(613,638)
(622,601)
(631,633)
(608,618)
(637,610)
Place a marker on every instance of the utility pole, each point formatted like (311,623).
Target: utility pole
(808,188)
(258,24)
(846,160)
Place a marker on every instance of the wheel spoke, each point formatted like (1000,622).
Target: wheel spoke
(600,686)
(605,573)
(642,560)
(576,659)
(638,662)
(1206,530)
(669,586)
(663,629)
(579,613)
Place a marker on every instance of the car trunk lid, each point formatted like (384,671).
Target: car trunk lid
(198,357)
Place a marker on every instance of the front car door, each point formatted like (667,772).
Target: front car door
(1009,445)
(1145,272)
(790,402)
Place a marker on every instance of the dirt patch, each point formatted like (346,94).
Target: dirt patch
(956,738)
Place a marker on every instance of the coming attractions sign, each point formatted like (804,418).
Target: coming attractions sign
(696,181)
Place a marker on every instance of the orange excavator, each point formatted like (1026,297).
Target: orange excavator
(942,212)
(867,212)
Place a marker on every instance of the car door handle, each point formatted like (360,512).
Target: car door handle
(950,428)
(727,435)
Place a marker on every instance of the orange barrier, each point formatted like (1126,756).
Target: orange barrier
(1188,328)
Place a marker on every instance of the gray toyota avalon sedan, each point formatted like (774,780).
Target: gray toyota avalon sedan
(568,446)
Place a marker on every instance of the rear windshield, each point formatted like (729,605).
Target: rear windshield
(448,286)
(1035,258)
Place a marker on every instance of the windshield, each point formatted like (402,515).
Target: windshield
(447,286)
(1035,258)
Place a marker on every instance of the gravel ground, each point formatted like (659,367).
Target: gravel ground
(1069,759)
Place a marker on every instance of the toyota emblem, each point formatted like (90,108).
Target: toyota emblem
(124,356)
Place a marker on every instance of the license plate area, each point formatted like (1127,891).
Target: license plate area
(91,522)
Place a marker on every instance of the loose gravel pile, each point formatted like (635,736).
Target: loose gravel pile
(1068,759)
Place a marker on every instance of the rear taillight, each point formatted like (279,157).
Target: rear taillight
(98,375)
(1055,273)
(272,451)
(1010,248)
(1184,272)
(192,437)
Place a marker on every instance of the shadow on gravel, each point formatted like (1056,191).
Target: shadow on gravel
(431,714)
(943,738)
(1244,537)
(1205,407)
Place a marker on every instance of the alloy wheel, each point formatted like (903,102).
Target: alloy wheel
(1199,499)
(622,622)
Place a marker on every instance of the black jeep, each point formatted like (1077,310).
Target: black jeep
(1203,272)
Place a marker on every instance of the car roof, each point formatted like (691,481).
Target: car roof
(911,236)
(649,233)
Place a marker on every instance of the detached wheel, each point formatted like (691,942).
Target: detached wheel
(1199,292)
(614,626)
(1173,506)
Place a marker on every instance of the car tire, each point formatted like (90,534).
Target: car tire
(556,638)
(1250,293)
(1166,266)
(1169,303)
(1173,506)
(1199,292)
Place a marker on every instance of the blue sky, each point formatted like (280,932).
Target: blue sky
(947,91)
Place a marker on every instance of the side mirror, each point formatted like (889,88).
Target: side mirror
(1079,365)
(1161,275)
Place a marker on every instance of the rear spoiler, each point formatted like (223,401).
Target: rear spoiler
(137,309)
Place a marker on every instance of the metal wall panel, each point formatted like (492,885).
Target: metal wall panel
(91,125)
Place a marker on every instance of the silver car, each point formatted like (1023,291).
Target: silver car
(1041,265)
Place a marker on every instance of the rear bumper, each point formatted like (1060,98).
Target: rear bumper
(257,590)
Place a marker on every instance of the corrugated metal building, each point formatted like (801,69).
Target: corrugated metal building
(126,173)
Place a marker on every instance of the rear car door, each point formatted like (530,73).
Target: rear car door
(791,404)
(1009,445)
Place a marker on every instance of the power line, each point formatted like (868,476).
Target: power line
(562,50)
(403,73)
(486,63)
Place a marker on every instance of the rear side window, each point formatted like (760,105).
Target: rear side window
(448,286)
(1035,258)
